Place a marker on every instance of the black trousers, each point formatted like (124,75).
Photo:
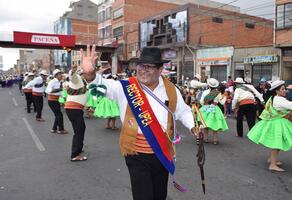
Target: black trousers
(56,108)
(249,111)
(29,101)
(149,178)
(76,118)
(39,103)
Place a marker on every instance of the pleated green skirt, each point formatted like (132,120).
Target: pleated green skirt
(213,118)
(274,134)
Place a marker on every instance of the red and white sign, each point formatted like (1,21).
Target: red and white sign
(44,39)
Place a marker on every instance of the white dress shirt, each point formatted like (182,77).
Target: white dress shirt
(53,85)
(281,103)
(115,92)
(36,81)
(241,94)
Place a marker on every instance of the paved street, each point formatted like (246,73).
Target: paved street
(34,164)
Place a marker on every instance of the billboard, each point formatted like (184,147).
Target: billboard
(43,39)
(168,29)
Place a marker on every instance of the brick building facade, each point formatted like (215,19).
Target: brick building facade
(125,17)
(81,21)
(283,37)
(192,33)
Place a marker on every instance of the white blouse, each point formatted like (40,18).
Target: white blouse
(281,103)
(183,111)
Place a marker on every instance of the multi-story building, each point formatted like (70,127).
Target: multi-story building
(119,19)
(283,37)
(125,17)
(105,23)
(81,21)
(201,39)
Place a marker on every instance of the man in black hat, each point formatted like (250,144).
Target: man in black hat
(151,95)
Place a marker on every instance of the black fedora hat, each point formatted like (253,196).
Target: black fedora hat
(151,55)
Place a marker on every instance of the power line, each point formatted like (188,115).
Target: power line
(229,13)
(258,22)
(258,7)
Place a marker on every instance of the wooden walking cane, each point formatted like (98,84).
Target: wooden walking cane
(199,141)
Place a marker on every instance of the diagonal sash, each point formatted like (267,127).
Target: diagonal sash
(148,122)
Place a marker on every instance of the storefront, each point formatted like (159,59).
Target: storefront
(261,66)
(215,62)
(256,63)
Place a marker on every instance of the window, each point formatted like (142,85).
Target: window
(105,32)
(249,25)
(101,33)
(280,16)
(118,13)
(108,12)
(217,20)
(169,29)
(284,16)
(108,32)
(288,15)
(118,31)
(287,52)
(101,16)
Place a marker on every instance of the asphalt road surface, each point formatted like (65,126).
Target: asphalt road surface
(35,164)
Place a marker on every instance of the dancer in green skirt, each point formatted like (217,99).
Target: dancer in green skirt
(104,107)
(211,113)
(274,131)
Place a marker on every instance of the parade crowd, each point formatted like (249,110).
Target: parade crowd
(149,105)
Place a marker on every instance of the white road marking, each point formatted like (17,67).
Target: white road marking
(35,138)
(14,101)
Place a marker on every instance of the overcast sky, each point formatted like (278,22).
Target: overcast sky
(40,15)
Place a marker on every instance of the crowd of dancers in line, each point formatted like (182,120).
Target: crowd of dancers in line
(269,103)
(149,105)
(216,101)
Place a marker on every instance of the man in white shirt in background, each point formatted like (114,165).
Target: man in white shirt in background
(38,89)
(244,99)
(53,90)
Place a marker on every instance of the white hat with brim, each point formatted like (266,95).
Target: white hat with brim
(276,84)
(56,71)
(197,84)
(30,74)
(239,80)
(44,72)
(198,76)
(212,82)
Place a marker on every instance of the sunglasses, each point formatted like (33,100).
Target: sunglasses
(147,67)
